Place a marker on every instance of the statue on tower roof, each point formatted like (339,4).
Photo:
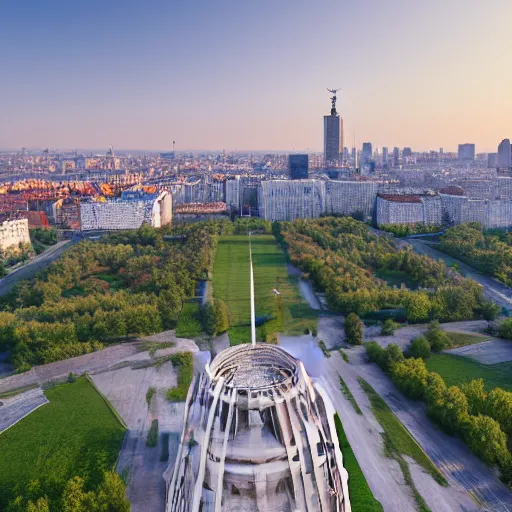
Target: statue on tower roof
(333,101)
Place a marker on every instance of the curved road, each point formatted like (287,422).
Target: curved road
(493,289)
(32,267)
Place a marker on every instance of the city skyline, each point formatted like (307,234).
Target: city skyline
(90,75)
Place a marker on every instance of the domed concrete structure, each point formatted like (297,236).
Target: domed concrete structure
(258,437)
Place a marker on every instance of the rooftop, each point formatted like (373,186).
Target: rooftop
(248,367)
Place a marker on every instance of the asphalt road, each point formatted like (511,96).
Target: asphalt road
(33,267)
(493,289)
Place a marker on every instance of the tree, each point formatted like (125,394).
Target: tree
(208,318)
(505,329)
(476,395)
(354,329)
(73,496)
(374,352)
(410,376)
(420,347)
(485,439)
(41,505)
(434,392)
(392,354)
(112,494)
(437,338)
(499,407)
(221,316)
(489,310)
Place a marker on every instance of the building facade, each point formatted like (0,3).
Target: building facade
(126,214)
(13,233)
(281,200)
(407,209)
(298,167)
(466,152)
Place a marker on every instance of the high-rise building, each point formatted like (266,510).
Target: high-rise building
(354,156)
(407,152)
(466,152)
(385,156)
(504,154)
(396,156)
(298,166)
(491,160)
(345,154)
(366,155)
(333,133)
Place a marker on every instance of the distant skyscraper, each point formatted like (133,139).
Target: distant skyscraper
(407,152)
(345,154)
(396,156)
(466,152)
(332,132)
(504,154)
(298,166)
(366,155)
(491,160)
(385,156)
(354,155)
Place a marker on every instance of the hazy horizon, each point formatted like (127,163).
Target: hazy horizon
(228,75)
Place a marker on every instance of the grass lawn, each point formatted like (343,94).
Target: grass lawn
(189,321)
(456,370)
(460,339)
(75,434)
(396,278)
(361,497)
(287,312)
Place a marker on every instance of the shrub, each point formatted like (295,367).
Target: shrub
(505,329)
(71,377)
(392,354)
(476,395)
(374,352)
(489,310)
(152,439)
(420,347)
(149,395)
(437,338)
(354,329)
(389,327)
(410,376)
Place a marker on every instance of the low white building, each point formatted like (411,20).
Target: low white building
(281,200)
(119,214)
(13,233)
(408,209)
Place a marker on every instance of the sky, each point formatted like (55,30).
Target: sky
(252,75)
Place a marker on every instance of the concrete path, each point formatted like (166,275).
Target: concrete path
(33,266)
(405,335)
(493,289)
(96,361)
(466,474)
(488,352)
(17,407)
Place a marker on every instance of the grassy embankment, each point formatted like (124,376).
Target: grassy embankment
(460,339)
(189,322)
(361,497)
(456,370)
(398,444)
(75,434)
(288,312)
